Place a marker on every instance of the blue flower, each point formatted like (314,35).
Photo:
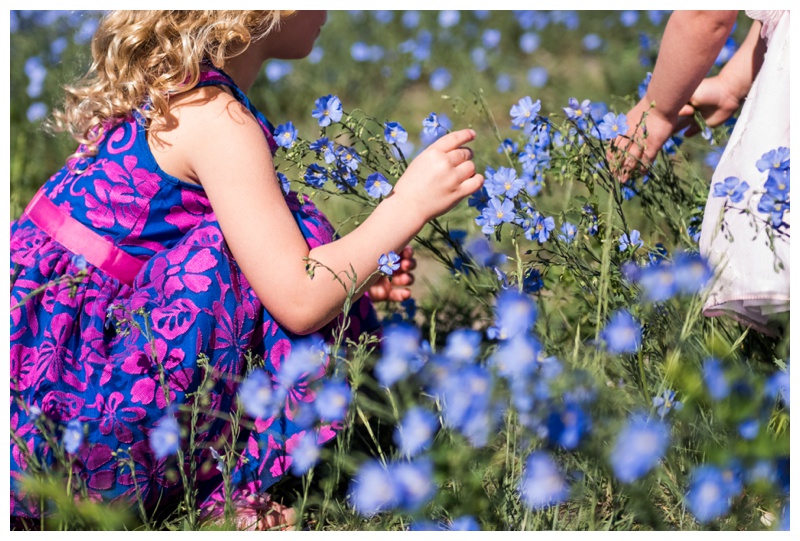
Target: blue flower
(415,433)
(360,52)
(463,346)
(613,125)
(466,523)
(504,83)
(348,157)
(515,314)
(508,146)
(504,182)
(401,354)
(373,489)
(433,128)
(72,436)
(516,356)
(715,379)
(332,401)
(394,133)
(165,439)
(305,454)
(622,334)
(478,56)
(465,393)
(257,395)
(36,112)
(529,42)
(410,18)
(568,232)
(285,135)
(709,494)
(316,55)
(774,160)
(732,188)
(592,42)
(542,227)
(327,109)
(778,386)
(388,263)
(639,447)
(415,483)
(577,111)
(383,16)
(285,185)
(628,17)
(537,77)
(524,111)
(566,427)
(748,429)
(499,212)
(542,484)
(440,79)
(377,185)
(658,282)
(36,72)
(666,402)
(276,70)
(491,38)
(632,241)
(316,175)
(692,272)
(532,281)
(449,18)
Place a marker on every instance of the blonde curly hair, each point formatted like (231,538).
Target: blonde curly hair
(140,57)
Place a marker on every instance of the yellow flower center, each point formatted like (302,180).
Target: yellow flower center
(499,213)
(578,112)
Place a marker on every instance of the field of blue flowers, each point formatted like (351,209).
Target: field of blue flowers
(553,370)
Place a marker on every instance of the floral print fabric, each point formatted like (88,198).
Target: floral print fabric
(95,352)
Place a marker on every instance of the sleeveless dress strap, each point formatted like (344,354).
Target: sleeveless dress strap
(216,77)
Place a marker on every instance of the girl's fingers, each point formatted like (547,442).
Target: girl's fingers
(399,294)
(408,264)
(459,155)
(465,170)
(453,140)
(472,184)
(402,279)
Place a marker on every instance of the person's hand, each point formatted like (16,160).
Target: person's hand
(714,99)
(442,175)
(396,289)
(648,130)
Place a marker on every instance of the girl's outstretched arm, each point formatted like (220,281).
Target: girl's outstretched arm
(227,153)
(691,43)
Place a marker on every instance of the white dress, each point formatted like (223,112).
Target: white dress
(749,284)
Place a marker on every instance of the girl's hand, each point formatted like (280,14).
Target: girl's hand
(648,130)
(385,290)
(441,176)
(714,99)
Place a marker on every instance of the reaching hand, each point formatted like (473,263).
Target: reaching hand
(394,290)
(714,100)
(648,130)
(441,176)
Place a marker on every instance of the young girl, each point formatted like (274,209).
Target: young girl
(750,285)
(173,208)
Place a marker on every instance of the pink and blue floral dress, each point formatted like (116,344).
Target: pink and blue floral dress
(161,294)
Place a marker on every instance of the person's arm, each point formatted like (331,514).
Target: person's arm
(718,97)
(236,169)
(691,43)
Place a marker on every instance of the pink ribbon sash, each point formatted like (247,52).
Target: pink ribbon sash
(82,240)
